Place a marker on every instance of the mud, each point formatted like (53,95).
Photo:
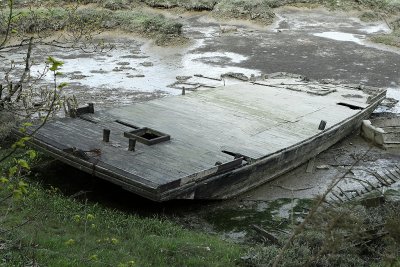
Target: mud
(313,43)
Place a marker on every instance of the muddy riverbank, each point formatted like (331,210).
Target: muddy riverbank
(314,43)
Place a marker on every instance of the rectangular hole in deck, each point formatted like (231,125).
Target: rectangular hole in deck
(351,106)
(147,136)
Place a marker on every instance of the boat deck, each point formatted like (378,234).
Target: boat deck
(210,132)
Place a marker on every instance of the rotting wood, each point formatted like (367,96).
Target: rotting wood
(206,77)
(202,125)
(106,135)
(322,125)
(339,198)
(310,165)
(395,177)
(381,180)
(343,193)
(81,111)
(132,144)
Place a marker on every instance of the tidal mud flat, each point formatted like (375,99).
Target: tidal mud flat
(313,43)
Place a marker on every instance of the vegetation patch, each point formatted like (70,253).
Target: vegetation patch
(347,234)
(46,228)
(195,5)
(258,10)
(88,21)
(393,38)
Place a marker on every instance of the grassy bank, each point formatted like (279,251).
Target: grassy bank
(90,20)
(57,231)
(47,228)
(132,15)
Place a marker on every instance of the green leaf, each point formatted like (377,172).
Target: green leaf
(23,164)
(27,124)
(4,180)
(17,194)
(22,186)
(32,154)
(21,142)
(62,85)
(54,64)
(12,171)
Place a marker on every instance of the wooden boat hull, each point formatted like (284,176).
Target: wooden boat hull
(272,166)
(197,157)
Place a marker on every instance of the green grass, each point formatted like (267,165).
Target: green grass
(57,232)
(51,229)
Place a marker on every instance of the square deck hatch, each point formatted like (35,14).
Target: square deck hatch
(147,136)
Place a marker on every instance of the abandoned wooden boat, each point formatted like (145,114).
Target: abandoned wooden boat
(384,132)
(213,143)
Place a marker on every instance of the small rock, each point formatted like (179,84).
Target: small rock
(78,77)
(135,76)
(183,78)
(323,167)
(125,68)
(123,63)
(236,75)
(227,28)
(101,71)
(146,64)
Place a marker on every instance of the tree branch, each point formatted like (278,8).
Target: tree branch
(10,17)
(18,86)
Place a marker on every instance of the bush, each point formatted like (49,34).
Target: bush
(258,10)
(198,5)
(147,23)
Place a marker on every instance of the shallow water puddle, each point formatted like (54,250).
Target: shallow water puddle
(392,94)
(342,36)
(238,223)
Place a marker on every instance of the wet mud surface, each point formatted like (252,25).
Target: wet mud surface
(314,43)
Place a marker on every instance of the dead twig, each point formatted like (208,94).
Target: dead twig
(321,200)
